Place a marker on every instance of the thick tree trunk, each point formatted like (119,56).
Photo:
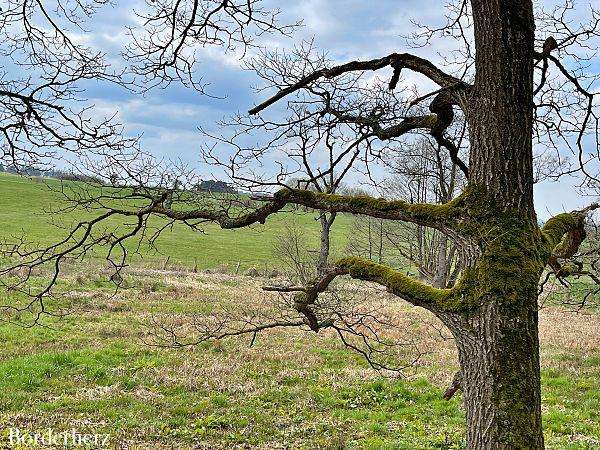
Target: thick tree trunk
(500,113)
(501,377)
(498,342)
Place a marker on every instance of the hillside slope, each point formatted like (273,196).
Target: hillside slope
(24,206)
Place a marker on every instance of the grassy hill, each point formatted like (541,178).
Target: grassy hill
(92,370)
(24,205)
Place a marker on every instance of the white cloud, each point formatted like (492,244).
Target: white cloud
(346,29)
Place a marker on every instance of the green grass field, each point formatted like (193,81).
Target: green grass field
(93,370)
(293,389)
(23,204)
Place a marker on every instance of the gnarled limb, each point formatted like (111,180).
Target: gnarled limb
(564,234)
(439,216)
(441,106)
(397,61)
(428,121)
(570,224)
(435,123)
(396,282)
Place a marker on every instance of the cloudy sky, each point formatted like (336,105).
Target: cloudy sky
(346,29)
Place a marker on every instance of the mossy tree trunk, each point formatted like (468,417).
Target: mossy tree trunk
(498,353)
(498,343)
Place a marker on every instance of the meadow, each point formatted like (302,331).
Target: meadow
(25,206)
(96,370)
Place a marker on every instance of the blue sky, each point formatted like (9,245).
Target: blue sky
(346,29)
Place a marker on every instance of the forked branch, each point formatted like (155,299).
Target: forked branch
(396,61)
(396,282)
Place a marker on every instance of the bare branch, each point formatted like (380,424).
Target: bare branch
(395,60)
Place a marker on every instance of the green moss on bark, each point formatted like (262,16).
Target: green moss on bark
(513,249)
(556,227)
(512,256)
(421,212)
(396,282)
(513,252)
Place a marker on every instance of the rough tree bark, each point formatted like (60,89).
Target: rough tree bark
(326,221)
(498,344)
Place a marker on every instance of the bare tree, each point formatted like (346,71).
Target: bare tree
(512,87)
(319,154)
(295,253)
(369,239)
(420,173)
(42,112)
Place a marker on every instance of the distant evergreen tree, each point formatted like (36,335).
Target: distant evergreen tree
(216,186)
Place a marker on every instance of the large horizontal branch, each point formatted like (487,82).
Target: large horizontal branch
(397,61)
(82,238)
(221,217)
(396,282)
(439,216)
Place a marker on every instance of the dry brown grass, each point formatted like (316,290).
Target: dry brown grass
(149,386)
(561,331)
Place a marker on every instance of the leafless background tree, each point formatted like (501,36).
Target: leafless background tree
(422,173)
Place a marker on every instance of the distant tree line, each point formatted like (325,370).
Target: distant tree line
(49,173)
